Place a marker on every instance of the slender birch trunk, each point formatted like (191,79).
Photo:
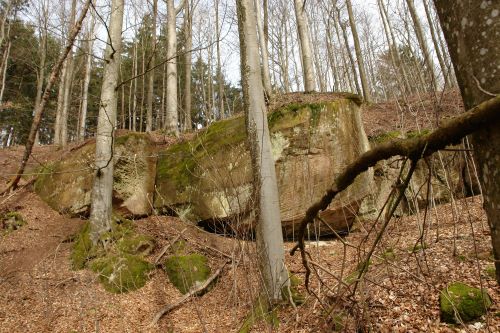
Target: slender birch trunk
(188,44)
(86,80)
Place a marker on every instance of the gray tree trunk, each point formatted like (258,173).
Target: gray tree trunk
(269,235)
(188,45)
(359,56)
(102,191)
(172,117)
(422,42)
(151,74)
(86,80)
(266,73)
(305,46)
(471,31)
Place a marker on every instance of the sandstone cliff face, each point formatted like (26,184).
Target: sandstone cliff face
(67,185)
(209,178)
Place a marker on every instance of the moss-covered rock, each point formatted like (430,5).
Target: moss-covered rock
(211,174)
(122,272)
(186,271)
(11,221)
(66,185)
(121,265)
(460,302)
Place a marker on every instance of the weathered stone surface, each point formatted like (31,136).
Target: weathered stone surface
(209,178)
(462,303)
(449,172)
(67,184)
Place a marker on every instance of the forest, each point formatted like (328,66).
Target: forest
(249,166)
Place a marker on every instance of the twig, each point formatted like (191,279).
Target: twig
(168,246)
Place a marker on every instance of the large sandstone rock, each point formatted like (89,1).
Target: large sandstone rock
(209,178)
(67,184)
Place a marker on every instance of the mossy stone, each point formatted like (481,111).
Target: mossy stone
(460,302)
(135,244)
(122,272)
(185,271)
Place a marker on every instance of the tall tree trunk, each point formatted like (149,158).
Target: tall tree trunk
(43,32)
(349,53)
(172,117)
(266,73)
(422,42)
(39,109)
(305,46)
(472,31)
(220,80)
(102,191)
(86,80)
(188,44)
(151,74)
(68,84)
(359,55)
(270,245)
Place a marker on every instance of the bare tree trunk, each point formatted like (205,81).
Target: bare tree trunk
(359,55)
(151,74)
(188,34)
(266,73)
(349,53)
(172,117)
(39,109)
(102,191)
(86,80)
(220,80)
(68,80)
(270,245)
(305,46)
(422,42)
(439,54)
(474,52)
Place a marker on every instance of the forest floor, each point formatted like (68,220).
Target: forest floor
(39,292)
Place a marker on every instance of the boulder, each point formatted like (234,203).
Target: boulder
(67,184)
(209,178)
(462,303)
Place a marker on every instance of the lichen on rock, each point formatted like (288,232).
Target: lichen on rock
(462,303)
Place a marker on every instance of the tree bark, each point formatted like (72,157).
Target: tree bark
(270,245)
(266,73)
(305,46)
(422,42)
(188,45)
(102,191)
(359,56)
(471,31)
(86,81)
(151,74)
(172,117)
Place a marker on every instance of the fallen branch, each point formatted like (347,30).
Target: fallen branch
(193,292)
(449,133)
(168,246)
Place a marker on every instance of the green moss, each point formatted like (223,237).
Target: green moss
(122,272)
(389,254)
(120,266)
(338,319)
(417,134)
(261,310)
(297,297)
(381,138)
(131,138)
(462,258)
(417,248)
(461,302)
(11,221)
(361,267)
(490,271)
(187,270)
